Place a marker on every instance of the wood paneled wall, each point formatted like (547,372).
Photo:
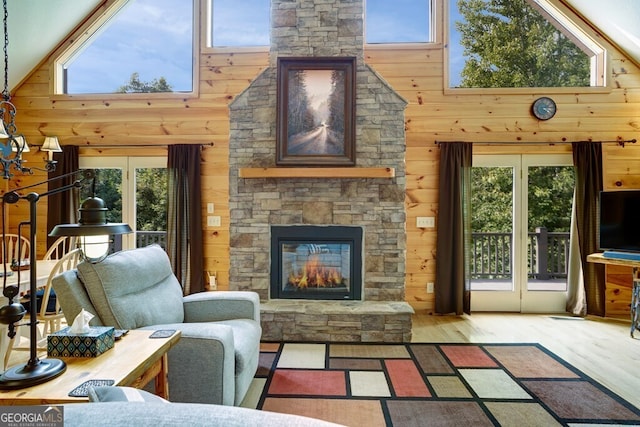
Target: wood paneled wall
(434,113)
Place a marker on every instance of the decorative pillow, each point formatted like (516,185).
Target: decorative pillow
(122,394)
(135,288)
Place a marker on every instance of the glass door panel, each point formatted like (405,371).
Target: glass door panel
(521,217)
(493,212)
(151,206)
(135,191)
(549,187)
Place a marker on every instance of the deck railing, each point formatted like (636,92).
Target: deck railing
(547,255)
(146,238)
(143,238)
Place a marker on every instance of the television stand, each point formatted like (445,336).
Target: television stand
(634,263)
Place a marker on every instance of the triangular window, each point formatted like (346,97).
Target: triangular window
(519,43)
(137,46)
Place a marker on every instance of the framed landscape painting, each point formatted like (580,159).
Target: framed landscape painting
(316,111)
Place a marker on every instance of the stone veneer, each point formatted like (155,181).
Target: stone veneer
(307,28)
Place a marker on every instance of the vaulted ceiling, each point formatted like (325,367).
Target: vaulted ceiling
(36,27)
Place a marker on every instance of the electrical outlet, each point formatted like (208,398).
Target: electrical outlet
(429,287)
(213,221)
(425,222)
(210,208)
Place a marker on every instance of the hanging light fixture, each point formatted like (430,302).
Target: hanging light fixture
(15,145)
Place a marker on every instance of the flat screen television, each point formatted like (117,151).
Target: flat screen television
(620,221)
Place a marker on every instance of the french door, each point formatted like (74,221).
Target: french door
(521,217)
(134,190)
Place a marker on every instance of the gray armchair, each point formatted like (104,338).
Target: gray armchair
(217,355)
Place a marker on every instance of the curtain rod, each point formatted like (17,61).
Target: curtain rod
(208,144)
(620,142)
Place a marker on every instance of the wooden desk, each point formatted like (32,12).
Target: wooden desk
(133,361)
(635,292)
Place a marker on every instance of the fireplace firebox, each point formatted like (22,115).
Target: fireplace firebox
(316,262)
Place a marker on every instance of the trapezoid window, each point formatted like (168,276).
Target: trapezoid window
(519,43)
(138,46)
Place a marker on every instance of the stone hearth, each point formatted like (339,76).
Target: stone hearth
(331,28)
(344,321)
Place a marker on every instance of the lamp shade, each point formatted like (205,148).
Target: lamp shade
(3,130)
(92,222)
(21,143)
(51,144)
(93,229)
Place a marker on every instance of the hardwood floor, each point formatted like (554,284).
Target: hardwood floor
(601,348)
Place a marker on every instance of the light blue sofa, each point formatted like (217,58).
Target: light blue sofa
(217,355)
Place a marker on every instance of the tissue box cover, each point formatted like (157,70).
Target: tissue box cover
(63,343)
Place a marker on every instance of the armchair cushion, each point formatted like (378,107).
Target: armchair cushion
(121,288)
(216,306)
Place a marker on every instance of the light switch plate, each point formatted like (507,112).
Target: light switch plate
(213,221)
(425,222)
(210,208)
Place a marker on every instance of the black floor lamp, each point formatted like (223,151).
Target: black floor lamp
(92,222)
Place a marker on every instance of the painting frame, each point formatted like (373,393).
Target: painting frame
(316,99)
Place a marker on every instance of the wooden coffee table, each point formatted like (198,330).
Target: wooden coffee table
(134,360)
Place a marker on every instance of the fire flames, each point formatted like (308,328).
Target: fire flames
(315,275)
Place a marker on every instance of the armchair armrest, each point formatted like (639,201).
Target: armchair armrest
(221,305)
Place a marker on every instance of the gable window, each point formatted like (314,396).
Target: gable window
(519,43)
(399,21)
(232,25)
(136,46)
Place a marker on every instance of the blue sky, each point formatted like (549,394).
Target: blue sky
(154,38)
(151,37)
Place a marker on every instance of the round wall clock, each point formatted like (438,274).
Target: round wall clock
(544,108)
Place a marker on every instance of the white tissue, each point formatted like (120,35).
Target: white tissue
(81,323)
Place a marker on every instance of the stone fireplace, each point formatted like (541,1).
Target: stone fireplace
(263,206)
